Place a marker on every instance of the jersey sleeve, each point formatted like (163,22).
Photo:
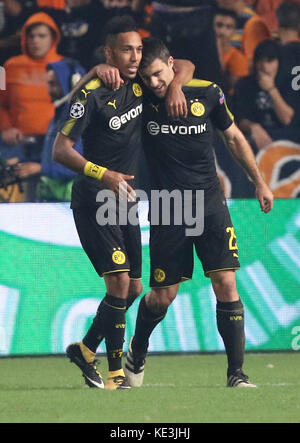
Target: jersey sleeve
(80,114)
(221,116)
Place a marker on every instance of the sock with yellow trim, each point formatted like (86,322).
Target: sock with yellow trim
(230,321)
(112,315)
(146,322)
(130,300)
(95,334)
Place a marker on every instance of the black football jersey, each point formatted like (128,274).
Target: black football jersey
(180,152)
(109,123)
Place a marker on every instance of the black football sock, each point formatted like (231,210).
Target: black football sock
(130,300)
(145,323)
(230,321)
(95,334)
(112,315)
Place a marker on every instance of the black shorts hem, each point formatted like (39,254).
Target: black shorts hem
(183,279)
(232,268)
(113,271)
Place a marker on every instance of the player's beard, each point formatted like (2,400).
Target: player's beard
(161,91)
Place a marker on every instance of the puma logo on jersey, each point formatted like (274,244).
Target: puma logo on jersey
(86,93)
(113,104)
(155,107)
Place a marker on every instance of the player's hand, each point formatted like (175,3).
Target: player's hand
(117,182)
(12,136)
(176,102)
(110,76)
(265,197)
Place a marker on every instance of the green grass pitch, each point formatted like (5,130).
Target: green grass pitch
(177,389)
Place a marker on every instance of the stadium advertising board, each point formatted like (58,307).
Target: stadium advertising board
(49,291)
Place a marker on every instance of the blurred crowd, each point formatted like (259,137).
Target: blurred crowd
(251,48)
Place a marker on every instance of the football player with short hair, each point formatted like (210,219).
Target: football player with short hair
(109,124)
(180,155)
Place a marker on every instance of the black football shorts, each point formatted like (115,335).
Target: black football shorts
(172,251)
(110,248)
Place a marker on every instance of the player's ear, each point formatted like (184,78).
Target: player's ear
(108,54)
(171,62)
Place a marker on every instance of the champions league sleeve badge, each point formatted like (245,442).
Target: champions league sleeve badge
(77,110)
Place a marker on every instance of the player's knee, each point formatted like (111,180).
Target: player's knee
(118,284)
(161,299)
(224,285)
(121,278)
(135,290)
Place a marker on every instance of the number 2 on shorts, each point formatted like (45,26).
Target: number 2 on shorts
(232,240)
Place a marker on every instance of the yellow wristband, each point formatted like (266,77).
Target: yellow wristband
(93,170)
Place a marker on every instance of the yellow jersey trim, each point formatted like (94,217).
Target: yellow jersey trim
(199,83)
(71,122)
(95,83)
(228,111)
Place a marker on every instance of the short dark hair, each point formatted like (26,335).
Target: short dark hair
(288,15)
(267,50)
(227,13)
(118,25)
(35,25)
(153,48)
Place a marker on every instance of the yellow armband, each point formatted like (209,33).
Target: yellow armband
(93,170)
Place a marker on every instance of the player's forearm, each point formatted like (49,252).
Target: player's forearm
(64,153)
(242,152)
(284,112)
